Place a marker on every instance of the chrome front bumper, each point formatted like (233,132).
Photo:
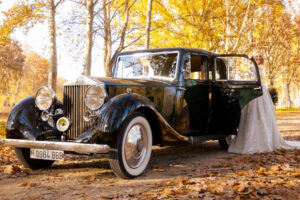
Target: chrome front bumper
(63,146)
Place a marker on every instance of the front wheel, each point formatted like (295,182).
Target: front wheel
(134,147)
(23,155)
(225,142)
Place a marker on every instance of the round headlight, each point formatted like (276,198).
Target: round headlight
(94,97)
(44,98)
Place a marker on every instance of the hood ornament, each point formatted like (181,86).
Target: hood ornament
(128,90)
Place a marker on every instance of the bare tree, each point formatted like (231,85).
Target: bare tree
(148,24)
(52,76)
(107,44)
(90,4)
(107,48)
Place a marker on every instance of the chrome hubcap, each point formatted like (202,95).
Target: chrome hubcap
(135,146)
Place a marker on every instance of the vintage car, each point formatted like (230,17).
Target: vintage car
(154,97)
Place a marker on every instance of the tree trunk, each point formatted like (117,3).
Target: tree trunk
(89,37)
(288,96)
(227,31)
(148,24)
(107,44)
(108,58)
(52,76)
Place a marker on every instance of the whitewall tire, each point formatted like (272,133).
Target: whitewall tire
(134,147)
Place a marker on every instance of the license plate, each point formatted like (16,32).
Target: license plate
(46,154)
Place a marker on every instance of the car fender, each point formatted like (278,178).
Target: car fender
(116,110)
(113,114)
(22,122)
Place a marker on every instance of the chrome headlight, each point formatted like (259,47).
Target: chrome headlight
(44,98)
(95,97)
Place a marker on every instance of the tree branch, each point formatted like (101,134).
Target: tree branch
(59,2)
(243,25)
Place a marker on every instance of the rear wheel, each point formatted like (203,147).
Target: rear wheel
(133,148)
(23,155)
(225,142)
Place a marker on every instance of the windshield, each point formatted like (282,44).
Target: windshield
(147,65)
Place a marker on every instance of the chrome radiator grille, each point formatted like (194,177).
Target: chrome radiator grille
(74,109)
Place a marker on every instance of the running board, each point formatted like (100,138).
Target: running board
(200,139)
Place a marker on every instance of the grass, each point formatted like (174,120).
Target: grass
(278,110)
(2,129)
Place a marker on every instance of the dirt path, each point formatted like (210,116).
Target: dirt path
(187,172)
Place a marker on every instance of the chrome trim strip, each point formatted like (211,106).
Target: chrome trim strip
(83,80)
(172,130)
(63,146)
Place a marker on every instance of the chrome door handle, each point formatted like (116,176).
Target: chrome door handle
(181,88)
(257,88)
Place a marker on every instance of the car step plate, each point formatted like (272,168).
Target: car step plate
(46,154)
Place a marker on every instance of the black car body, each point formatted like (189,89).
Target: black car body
(155,97)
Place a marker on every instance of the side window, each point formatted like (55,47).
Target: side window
(221,69)
(196,67)
(235,68)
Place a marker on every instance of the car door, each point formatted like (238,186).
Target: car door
(236,81)
(196,92)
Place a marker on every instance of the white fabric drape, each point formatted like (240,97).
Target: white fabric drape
(258,129)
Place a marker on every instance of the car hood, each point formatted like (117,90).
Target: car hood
(108,81)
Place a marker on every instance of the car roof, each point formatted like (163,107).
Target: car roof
(168,49)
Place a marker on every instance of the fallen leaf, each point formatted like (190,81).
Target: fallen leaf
(262,191)
(279,152)
(108,196)
(277,181)
(237,198)
(166,191)
(147,194)
(33,198)
(163,196)
(197,187)
(296,174)
(179,191)
(158,170)
(12,169)
(286,167)
(261,171)
(219,189)
(241,188)
(89,179)
(32,184)
(275,168)
(23,184)
(242,173)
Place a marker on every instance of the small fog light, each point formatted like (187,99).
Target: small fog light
(87,116)
(63,124)
(59,112)
(45,116)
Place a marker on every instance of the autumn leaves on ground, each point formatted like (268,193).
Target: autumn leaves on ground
(187,172)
